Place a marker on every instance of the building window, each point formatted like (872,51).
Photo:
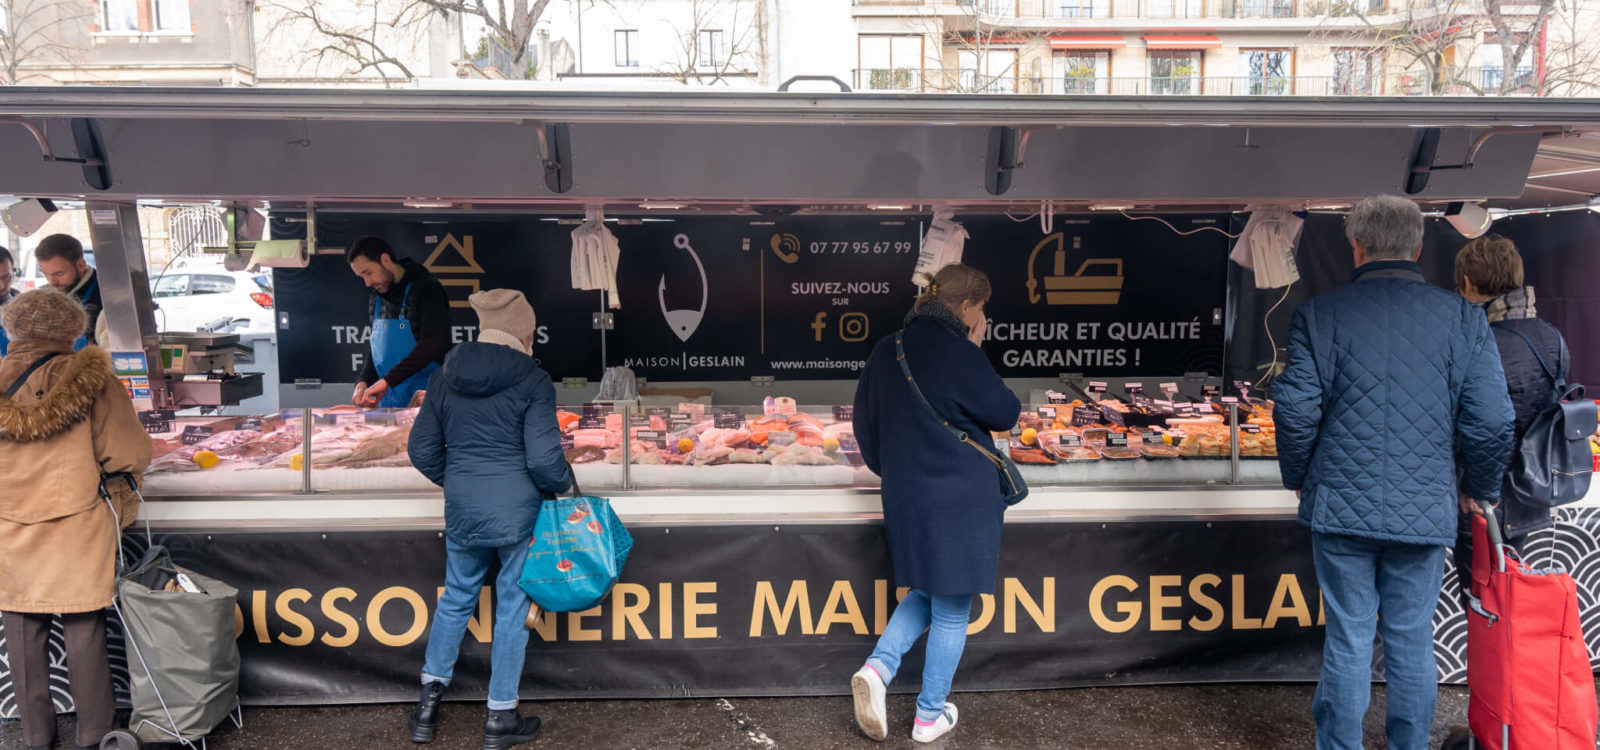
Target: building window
(1084,72)
(120,15)
(1269,71)
(1356,72)
(990,72)
(889,63)
(993,7)
(1175,72)
(172,15)
(627,48)
(712,54)
(1176,8)
(1264,8)
(1494,65)
(1083,8)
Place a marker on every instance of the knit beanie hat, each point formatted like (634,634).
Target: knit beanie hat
(504,310)
(44,314)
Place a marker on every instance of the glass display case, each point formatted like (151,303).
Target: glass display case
(1079,443)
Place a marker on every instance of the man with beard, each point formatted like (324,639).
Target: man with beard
(410,325)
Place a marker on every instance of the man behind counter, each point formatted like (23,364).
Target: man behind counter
(62,263)
(410,325)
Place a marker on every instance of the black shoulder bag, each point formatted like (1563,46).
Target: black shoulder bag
(1018,489)
(1552,464)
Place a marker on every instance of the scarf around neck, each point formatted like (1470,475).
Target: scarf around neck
(1516,304)
(938,313)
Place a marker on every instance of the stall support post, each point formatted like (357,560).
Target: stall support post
(305,452)
(125,287)
(627,445)
(1233,433)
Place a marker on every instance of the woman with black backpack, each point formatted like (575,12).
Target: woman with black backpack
(1488,271)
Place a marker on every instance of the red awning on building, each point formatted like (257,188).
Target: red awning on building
(1087,42)
(1187,41)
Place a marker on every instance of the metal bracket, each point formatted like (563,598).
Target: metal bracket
(602,322)
(763,381)
(85,135)
(1007,145)
(1428,145)
(555,153)
(843,87)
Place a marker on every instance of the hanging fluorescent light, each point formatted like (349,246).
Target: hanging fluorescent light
(661,206)
(1470,219)
(889,207)
(1111,207)
(428,203)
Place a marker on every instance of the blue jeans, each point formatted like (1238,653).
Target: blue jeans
(464,571)
(945,619)
(1367,586)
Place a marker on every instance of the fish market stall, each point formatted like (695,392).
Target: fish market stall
(766,242)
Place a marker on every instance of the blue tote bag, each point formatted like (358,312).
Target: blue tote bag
(578,549)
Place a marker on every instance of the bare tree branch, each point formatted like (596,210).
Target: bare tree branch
(739,34)
(31,36)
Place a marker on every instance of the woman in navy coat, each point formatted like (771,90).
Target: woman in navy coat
(943,502)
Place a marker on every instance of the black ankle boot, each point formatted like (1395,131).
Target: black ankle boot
(426,715)
(506,728)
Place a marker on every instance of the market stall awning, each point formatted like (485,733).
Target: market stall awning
(1183,42)
(1088,42)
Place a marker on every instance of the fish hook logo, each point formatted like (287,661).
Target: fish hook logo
(684,322)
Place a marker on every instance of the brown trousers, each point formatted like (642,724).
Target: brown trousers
(90,672)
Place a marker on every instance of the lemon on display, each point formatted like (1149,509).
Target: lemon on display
(1029,436)
(830,444)
(298,462)
(206,459)
(685,445)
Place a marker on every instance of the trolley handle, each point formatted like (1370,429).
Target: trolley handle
(1496,541)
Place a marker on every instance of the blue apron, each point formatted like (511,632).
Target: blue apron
(83,298)
(392,341)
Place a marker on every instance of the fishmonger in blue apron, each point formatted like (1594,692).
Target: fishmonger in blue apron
(392,341)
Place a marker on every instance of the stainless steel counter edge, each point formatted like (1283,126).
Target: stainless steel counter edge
(777,507)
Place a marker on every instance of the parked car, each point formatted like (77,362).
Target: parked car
(213,301)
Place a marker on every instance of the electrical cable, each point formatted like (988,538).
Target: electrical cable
(1266,322)
(1180,232)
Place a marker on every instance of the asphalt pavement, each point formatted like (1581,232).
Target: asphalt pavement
(1240,717)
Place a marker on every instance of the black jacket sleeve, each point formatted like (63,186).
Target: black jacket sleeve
(430,319)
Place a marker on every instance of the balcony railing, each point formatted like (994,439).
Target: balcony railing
(1000,11)
(1455,82)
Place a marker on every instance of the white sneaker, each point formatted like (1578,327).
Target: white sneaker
(868,689)
(931,732)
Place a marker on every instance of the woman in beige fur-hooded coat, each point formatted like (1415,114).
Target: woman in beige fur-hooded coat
(71,421)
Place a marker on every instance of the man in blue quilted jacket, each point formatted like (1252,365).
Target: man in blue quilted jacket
(1392,383)
(487,433)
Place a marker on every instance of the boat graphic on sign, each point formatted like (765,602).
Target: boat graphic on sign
(1091,285)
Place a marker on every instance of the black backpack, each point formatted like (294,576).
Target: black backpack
(1552,463)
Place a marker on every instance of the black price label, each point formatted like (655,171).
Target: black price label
(1184,410)
(250,425)
(1132,388)
(194,434)
(680,421)
(1250,429)
(1210,391)
(638,420)
(158,421)
(1152,438)
(654,436)
(844,413)
(1141,400)
(1071,441)
(658,411)
(1113,416)
(1047,412)
(1085,415)
(567,443)
(728,419)
(1243,386)
(1169,387)
(1230,400)
(1057,398)
(1116,440)
(1097,386)
(593,422)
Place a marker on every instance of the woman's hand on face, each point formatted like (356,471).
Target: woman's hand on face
(977,323)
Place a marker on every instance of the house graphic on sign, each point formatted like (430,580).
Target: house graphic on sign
(455,257)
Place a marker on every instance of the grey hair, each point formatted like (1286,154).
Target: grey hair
(1388,227)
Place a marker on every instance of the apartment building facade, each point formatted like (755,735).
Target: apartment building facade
(128,42)
(1179,47)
